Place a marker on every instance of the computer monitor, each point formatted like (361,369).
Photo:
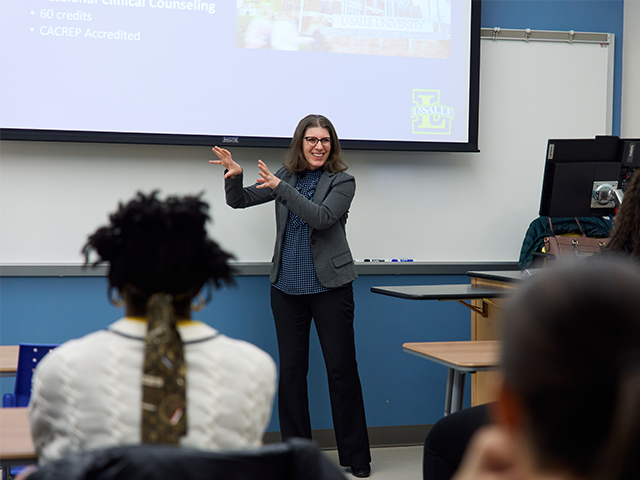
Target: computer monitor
(575,169)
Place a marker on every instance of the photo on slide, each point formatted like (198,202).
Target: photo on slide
(401,28)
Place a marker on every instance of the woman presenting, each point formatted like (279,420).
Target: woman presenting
(311,278)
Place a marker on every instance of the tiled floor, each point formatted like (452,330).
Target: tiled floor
(393,463)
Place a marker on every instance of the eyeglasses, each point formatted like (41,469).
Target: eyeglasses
(313,141)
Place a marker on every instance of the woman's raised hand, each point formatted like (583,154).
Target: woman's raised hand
(233,169)
(267,179)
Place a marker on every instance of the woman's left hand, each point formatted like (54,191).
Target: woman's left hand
(267,179)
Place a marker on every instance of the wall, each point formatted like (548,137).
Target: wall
(529,92)
(577,15)
(631,71)
(399,389)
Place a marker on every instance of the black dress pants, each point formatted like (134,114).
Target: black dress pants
(333,314)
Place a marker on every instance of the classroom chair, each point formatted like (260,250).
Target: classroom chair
(29,354)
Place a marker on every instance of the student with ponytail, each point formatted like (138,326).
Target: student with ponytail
(569,403)
(155,376)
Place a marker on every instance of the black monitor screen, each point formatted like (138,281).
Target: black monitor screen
(572,166)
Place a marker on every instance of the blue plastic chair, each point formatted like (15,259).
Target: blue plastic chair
(29,354)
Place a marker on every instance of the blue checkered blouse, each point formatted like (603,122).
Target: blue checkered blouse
(297,274)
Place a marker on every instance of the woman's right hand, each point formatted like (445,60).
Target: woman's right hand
(233,169)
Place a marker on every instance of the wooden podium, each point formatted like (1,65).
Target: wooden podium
(486,325)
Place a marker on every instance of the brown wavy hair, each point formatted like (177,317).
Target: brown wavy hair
(296,163)
(626,231)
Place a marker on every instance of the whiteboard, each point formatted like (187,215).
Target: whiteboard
(431,207)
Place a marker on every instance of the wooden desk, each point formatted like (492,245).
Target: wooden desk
(8,360)
(460,358)
(16,447)
(486,295)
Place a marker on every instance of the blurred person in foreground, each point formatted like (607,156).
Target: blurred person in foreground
(569,402)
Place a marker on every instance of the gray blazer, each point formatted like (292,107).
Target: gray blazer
(326,215)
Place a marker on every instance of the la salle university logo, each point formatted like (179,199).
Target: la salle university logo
(428,115)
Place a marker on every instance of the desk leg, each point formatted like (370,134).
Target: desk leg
(457,391)
(449,394)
